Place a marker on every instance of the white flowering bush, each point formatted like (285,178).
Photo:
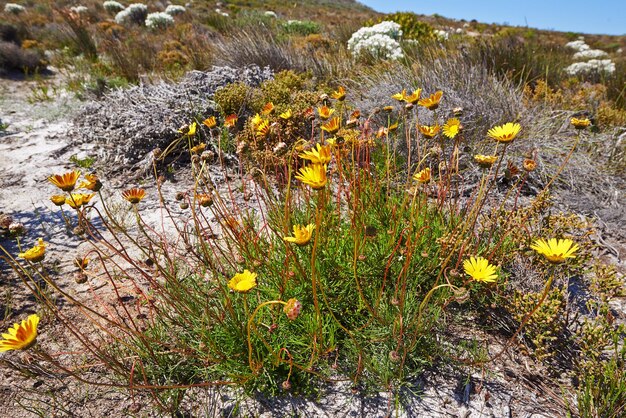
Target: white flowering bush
(270,13)
(113,6)
(578,45)
(159,20)
(136,13)
(380,40)
(441,35)
(79,9)
(13,8)
(590,54)
(174,10)
(591,67)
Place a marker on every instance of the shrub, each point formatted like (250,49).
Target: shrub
(590,53)
(380,41)
(14,8)
(592,68)
(411,25)
(112,6)
(174,10)
(9,33)
(134,14)
(261,47)
(79,9)
(137,120)
(300,27)
(13,58)
(159,20)
(232,98)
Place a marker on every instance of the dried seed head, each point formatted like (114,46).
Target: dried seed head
(80,277)
(180,196)
(5,221)
(461,294)
(17,229)
(207,156)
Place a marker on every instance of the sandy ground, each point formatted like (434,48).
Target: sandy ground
(35,146)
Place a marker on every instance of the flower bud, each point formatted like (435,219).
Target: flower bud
(292,308)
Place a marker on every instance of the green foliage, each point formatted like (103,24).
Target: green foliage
(232,98)
(602,391)
(86,162)
(411,25)
(281,89)
(301,27)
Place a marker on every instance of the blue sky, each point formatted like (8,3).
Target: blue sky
(585,16)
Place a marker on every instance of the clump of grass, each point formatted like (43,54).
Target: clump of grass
(14,58)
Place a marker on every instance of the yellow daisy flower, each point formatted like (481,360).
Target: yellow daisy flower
(313,175)
(580,123)
(399,96)
(242,282)
(92,182)
(256,120)
(422,176)
(263,129)
(325,112)
(230,120)
(414,97)
(210,122)
(332,126)
(429,132)
(286,115)
(485,161)
(505,133)
(268,108)
(555,251)
(479,269)
(35,254)
(20,336)
(198,148)
(301,234)
(339,94)
(76,200)
(134,195)
(431,102)
(318,155)
(58,199)
(452,128)
(65,182)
